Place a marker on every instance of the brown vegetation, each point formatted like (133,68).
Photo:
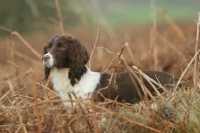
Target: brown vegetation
(28,104)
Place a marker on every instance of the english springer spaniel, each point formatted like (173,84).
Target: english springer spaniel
(65,57)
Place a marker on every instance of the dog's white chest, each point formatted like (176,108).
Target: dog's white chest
(82,89)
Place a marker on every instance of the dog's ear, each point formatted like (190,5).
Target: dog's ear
(78,54)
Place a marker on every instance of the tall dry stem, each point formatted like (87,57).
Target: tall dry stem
(112,78)
(189,105)
(22,39)
(34,90)
(96,128)
(59,17)
(196,49)
(153,39)
(171,45)
(93,46)
(173,24)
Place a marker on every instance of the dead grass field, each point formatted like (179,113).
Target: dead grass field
(28,104)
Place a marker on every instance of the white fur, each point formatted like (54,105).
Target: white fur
(49,62)
(61,83)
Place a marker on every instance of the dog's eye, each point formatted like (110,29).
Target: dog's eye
(61,47)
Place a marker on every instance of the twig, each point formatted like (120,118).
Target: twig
(48,89)
(35,102)
(22,39)
(105,49)
(140,78)
(43,102)
(149,79)
(59,17)
(18,129)
(130,54)
(108,66)
(186,114)
(132,80)
(172,23)
(21,122)
(145,90)
(115,69)
(5,95)
(10,49)
(140,124)
(105,67)
(27,58)
(10,86)
(153,39)
(129,119)
(186,70)
(140,81)
(26,43)
(93,46)
(196,48)
(6,29)
(94,117)
(171,45)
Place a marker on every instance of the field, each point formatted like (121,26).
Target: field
(29,104)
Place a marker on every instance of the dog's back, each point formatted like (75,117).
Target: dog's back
(125,90)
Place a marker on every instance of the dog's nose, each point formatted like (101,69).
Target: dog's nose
(45,57)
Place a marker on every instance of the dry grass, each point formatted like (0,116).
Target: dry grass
(27,104)
(30,106)
(40,110)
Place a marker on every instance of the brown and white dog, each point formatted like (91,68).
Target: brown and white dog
(65,57)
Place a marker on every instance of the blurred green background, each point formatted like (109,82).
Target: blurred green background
(26,16)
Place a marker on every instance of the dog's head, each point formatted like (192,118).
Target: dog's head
(64,52)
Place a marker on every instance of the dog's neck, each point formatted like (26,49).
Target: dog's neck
(73,84)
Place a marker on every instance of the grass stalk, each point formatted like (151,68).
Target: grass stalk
(60,17)
(153,39)
(176,28)
(94,46)
(196,51)
(34,90)
(94,117)
(23,40)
